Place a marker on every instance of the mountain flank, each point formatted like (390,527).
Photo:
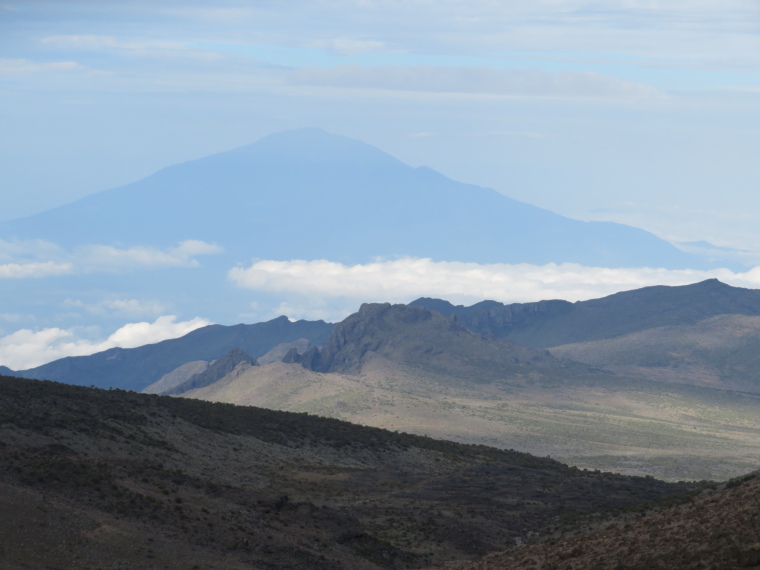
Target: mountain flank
(100,478)
(720,352)
(552,323)
(408,368)
(138,368)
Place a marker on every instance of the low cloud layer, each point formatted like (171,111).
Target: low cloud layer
(326,289)
(27,348)
(476,80)
(37,258)
(27,270)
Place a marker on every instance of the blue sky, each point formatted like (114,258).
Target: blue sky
(637,111)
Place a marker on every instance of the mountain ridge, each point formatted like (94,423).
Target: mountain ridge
(556,322)
(417,337)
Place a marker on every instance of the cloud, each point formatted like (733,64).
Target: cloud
(38,258)
(95,42)
(118,306)
(26,348)
(475,80)
(350,46)
(131,47)
(29,249)
(103,257)
(332,289)
(31,270)
(192,247)
(26,66)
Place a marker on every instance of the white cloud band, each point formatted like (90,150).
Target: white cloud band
(476,80)
(27,270)
(406,279)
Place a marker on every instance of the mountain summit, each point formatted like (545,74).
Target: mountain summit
(308,194)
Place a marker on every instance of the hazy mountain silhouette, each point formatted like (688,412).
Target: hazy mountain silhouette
(307,194)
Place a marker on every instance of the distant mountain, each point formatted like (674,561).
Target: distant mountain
(553,323)
(307,194)
(719,352)
(418,338)
(137,368)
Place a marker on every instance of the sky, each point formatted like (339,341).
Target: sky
(635,111)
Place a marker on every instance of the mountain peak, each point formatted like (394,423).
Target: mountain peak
(417,338)
(314,145)
(713,283)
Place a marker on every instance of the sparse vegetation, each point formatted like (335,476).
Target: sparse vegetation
(152,481)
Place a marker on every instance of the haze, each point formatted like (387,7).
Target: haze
(642,113)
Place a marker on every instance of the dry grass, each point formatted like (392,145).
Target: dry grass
(635,427)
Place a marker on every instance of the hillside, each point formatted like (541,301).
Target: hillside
(137,368)
(115,479)
(552,323)
(408,368)
(719,352)
(716,529)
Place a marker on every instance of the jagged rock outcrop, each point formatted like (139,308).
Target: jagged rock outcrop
(494,318)
(417,337)
(235,360)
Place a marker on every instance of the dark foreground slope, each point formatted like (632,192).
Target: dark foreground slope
(552,323)
(92,478)
(716,529)
(137,368)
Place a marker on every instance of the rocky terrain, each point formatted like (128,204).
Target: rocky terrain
(718,528)
(114,479)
